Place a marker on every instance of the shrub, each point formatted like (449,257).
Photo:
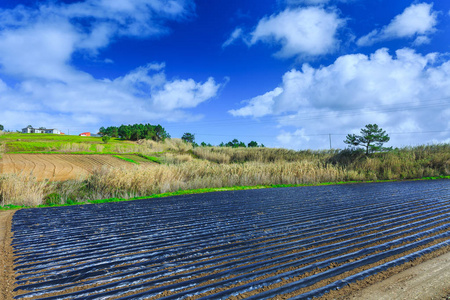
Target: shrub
(106,139)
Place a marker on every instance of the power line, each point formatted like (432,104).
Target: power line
(315,134)
(386,108)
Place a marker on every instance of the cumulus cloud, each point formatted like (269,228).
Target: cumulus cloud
(259,106)
(309,31)
(417,20)
(402,92)
(142,94)
(39,83)
(184,94)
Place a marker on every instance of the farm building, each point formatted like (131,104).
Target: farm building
(30,129)
(85,134)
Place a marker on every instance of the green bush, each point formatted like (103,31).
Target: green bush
(106,139)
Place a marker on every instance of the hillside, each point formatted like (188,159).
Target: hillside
(127,169)
(55,143)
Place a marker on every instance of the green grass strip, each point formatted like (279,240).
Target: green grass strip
(73,152)
(126,159)
(150,158)
(209,190)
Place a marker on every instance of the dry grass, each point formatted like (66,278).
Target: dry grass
(147,180)
(177,145)
(216,167)
(213,154)
(2,149)
(176,158)
(265,155)
(19,189)
(404,163)
(75,147)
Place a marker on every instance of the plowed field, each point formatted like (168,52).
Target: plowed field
(285,243)
(57,167)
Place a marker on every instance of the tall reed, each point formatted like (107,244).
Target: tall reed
(146,180)
(20,189)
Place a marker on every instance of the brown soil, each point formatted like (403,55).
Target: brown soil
(7,277)
(57,167)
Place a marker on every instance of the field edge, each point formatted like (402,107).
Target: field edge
(212,190)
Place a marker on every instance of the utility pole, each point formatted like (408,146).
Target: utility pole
(330,139)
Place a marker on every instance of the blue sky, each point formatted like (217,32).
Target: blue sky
(286,73)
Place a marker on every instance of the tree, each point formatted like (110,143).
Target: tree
(372,138)
(124,132)
(188,137)
(235,144)
(203,144)
(1,127)
(102,131)
(252,144)
(106,139)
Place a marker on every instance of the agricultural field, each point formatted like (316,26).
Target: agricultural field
(295,243)
(60,167)
(48,143)
(68,144)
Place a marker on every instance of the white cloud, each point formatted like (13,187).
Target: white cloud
(52,44)
(142,95)
(43,86)
(307,2)
(294,140)
(309,31)
(416,20)
(184,94)
(312,2)
(258,106)
(56,31)
(421,40)
(408,91)
(236,34)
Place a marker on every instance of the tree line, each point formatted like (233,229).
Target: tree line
(235,143)
(372,137)
(136,132)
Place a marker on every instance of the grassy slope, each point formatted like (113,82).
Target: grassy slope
(186,170)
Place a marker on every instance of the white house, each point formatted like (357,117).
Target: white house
(30,129)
